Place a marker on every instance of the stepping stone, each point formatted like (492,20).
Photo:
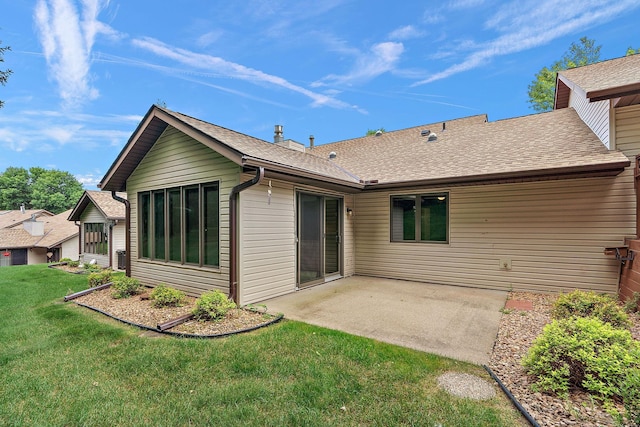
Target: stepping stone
(466,385)
(522,305)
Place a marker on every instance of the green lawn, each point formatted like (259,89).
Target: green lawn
(63,365)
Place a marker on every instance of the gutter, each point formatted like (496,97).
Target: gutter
(127,232)
(233,232)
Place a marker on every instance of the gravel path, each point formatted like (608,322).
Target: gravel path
(516,332)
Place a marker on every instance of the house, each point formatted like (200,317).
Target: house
(528,203)
(101,219)
(35,237)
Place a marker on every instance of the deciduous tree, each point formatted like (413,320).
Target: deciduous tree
(542,88)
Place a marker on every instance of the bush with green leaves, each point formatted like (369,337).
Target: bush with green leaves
(590,304)
(582,352)
(124,287)
(165,296)
(213,305)
(99,278)
(630,398)
(91,267)
(73,263)
(632,305)
(65,260)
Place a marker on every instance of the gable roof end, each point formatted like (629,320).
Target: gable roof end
(610,79)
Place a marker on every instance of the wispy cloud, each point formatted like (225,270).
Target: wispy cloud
(67,35)
(222,67)
(381,58)
(405,33)
(526,25)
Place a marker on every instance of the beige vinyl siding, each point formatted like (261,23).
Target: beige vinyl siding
(118,242)
(176,160)
(349,249)
(36,256)
(594,114)
(92,215)
(627,131)
(552,232)
(267,245)
(69,249)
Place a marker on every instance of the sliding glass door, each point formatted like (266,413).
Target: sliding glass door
(319,237)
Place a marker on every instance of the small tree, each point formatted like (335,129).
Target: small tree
(4,74)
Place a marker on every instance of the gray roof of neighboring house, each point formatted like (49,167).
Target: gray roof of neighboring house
(57,229)
(15,217)
(103,201)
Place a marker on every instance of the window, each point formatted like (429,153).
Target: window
(420,218)
(181,225)
(95,239)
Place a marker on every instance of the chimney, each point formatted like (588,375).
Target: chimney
(22,208)
(278,137)
(33,227)
(311,141)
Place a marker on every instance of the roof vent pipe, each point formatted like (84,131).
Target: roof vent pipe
(425,132)
(444,126)
(22,210)
(311,141)
(332,155)
(278,137)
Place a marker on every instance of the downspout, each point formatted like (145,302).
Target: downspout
(127,232)
(233,232)
(110,246)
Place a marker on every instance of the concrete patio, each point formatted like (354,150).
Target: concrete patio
(452,321)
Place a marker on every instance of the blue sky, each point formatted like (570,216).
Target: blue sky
(85,72)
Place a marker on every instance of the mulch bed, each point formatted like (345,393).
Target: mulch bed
(138,310)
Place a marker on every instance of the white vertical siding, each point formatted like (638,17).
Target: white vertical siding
(553,232)
(594,114)
(267,244)
(175,160)
(92,215)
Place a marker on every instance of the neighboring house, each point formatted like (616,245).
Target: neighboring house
(37,238)
(101,220)
(527,203)
(14,218)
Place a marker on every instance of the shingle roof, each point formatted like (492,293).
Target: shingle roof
(607,79)
(259,149)
(103,201)
(16,217)
(57,229)
(537,144)
(469,150)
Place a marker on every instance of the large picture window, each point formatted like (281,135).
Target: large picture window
(181,225)
(95,239)
(420,218)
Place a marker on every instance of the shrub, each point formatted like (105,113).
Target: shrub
(165,296)
(73,263)
(124,287)
(213,305)
(91,267)
(65,260)
(99,278)
(590,304)
(583,352)
(630,396)
(632,305)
